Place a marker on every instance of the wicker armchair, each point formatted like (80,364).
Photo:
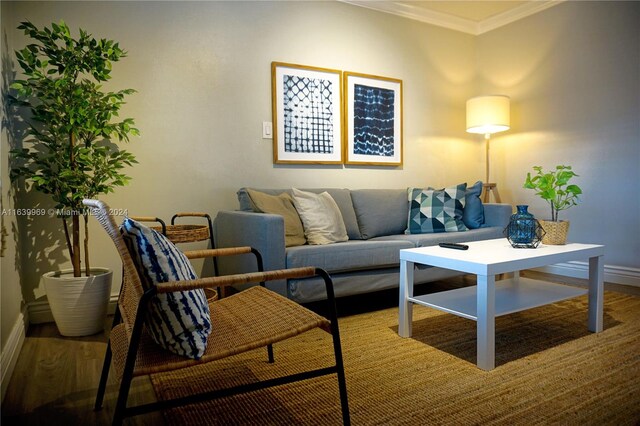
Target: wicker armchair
(251,319)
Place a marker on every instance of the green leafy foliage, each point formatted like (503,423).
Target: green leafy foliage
(554,188)
(71,154)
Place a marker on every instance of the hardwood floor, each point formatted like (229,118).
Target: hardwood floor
(56,378)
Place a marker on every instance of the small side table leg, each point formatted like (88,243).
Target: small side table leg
(486,313)
(596,293)
(406,291)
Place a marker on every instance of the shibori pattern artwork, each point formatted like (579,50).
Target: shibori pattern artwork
(307,114)
(373,120)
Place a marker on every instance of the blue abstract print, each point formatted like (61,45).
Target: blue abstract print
(373,121)
(308,115)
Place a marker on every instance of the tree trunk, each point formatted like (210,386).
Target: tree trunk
(75,219)
(87,267)
(75,259)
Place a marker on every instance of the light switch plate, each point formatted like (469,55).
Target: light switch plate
(267,130)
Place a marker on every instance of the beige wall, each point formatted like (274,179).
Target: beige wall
(573,73)
(202,70)
(11,304)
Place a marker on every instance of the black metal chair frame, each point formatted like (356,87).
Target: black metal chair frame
(122,410)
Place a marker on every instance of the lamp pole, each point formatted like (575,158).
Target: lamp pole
(487,115)
(489,187)
(487,137)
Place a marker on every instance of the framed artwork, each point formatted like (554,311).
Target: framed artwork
(373,127)
(307,114)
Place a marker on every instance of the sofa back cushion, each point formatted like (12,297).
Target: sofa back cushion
(380,211)
(341,196)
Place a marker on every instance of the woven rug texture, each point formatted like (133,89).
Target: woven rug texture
(549,370)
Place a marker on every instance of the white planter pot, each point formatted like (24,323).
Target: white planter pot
(79,304)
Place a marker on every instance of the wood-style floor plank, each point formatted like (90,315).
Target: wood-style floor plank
(56,378)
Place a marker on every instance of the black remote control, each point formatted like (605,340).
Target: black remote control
(454,246)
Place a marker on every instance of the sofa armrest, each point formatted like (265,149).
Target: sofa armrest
(261,231)
(497,214)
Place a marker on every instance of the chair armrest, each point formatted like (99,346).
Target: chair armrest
(230,251)
(227,280)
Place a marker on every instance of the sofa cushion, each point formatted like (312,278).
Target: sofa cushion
(473,213)
(321,217)
(281,204)
(380,211)
(341,196)
(426,240)
(348,256)
(436,210)
(178,321)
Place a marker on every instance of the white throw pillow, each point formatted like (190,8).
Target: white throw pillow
(321,217)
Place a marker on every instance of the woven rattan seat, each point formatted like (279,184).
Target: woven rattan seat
(250,319)
(233,331)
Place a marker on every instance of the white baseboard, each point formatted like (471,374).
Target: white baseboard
(612,273)
(11,350)
(40,312)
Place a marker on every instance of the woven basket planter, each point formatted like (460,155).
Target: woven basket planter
(555,232)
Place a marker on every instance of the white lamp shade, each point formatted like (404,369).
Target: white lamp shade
(488,114)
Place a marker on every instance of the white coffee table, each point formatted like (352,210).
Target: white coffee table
(490,299)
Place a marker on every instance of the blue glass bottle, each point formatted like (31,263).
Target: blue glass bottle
(523,230)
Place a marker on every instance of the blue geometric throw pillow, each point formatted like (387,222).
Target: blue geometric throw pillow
(433,210)
(178,321)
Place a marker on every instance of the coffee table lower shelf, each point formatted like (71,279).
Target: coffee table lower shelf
(511,295)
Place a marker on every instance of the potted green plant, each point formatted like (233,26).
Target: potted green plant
(69,152)
(554,188)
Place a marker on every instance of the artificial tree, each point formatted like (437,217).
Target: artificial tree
(73,120)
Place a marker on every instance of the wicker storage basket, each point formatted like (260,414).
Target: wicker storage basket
(185,233)
(212,294)
(555,232)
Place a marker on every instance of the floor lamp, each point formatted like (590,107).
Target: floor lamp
(487,115)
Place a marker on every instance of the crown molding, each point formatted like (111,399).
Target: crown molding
(515,14)
(440,19)
(418,14)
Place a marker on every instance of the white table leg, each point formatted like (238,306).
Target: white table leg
(516,277)
(406,291)
(596,293)
(486,313)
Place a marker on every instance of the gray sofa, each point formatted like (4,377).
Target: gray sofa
(375,220)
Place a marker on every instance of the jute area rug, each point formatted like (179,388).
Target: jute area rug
(549,370)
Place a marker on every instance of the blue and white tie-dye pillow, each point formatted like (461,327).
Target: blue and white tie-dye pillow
(177,321)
